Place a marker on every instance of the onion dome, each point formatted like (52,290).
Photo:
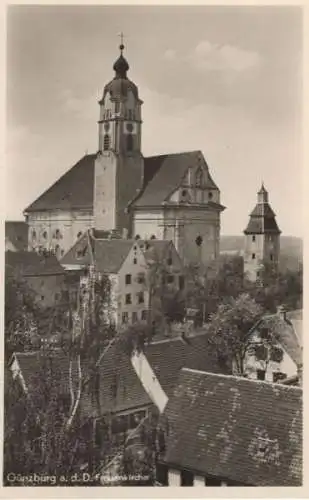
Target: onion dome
(120,85)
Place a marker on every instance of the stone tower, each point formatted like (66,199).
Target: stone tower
(119,164)
(262,238)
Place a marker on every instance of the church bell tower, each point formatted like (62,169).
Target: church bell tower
(119,164)
(262,238)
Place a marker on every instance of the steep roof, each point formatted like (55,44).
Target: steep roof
(17,233)
(120,387)
(165,172)
(262,218)
(249,432)
(75,189)
(31,264)
(72,190)
(33,364)
(108,254)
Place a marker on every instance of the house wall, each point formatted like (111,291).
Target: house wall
(134,265)
(175,479)
(47,288)
(70,225)
(148,223)
(251,365)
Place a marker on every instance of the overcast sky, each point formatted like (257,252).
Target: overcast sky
(225,80)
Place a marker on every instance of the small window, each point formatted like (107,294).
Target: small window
(253,256)
(152,237)
(33,234)
(170,279)
(186,478)
(144,315)
(169,261)
(184,192)
(135,260)
(42,297)
(260,374)
(79,234)
(137,237)
(128,298)
(210,196)
(125,317)
(199,241)
(57,296)
(271,256)
(45,235)
(141,278)
(140,298)
(277,376)
(128,279)
(253,238)
(134,317)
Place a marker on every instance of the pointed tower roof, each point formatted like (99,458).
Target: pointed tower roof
(119,86)
(262,218)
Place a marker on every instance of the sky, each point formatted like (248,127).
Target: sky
(224,80)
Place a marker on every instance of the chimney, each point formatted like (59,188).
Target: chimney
(281,312)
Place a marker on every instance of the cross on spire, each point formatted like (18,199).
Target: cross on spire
(121,46)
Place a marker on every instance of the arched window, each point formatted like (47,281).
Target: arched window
(34,234)
(152,237)
(106,144)
(210,195)
(137,237)
(129,142)
(44,235)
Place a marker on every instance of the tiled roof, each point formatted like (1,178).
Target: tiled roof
(164,173)
(72,190)
(17,233)
(31,264)
(154,250)
(108,254)
(262,220)
(243,431)
(285,335)
(33,365)
(75,189)
(121,389)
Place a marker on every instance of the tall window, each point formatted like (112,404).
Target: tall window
(253,256)
(140,297)
(128,279)
(106,144)
(128,298)
(129,142)
(134,317)
(253,238)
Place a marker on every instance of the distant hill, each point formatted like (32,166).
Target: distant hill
(291,253)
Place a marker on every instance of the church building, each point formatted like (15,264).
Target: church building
(117,189)
(262,238)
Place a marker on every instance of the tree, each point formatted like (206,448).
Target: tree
(229,327)
(21,312)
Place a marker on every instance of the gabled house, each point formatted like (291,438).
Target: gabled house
(129,264)
(275,351)
(230,431)
(43,274)
(125,386)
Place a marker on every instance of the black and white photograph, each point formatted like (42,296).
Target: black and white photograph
(153,267)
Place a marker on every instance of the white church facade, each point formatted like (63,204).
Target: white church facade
(170,196)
